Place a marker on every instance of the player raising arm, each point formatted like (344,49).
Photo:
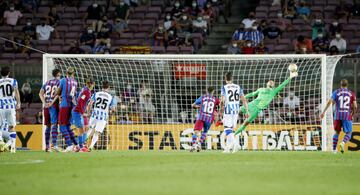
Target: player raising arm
(102,102)
(230,104)
(264,98)
(345,107)
(78,113)
(47,96)
(67,94)
(9,102)
(206,106)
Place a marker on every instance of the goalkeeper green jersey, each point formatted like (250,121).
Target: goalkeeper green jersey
(266,95)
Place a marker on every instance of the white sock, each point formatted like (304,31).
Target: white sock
(88,133)
(230,140)
(13,139)
(94,140)
(1,138)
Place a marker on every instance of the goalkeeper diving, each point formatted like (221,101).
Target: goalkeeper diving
(264,98)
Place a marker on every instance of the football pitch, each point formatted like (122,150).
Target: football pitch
(180,172)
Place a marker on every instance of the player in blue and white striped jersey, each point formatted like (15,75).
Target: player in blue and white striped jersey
(102,102)
(231,94)
(9,102)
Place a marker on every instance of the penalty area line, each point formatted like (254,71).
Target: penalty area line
(21,162)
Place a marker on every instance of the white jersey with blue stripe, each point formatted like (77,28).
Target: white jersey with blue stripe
(232,93)
(103,101)
(7,93)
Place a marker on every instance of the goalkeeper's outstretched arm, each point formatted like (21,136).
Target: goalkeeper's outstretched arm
(252,94)
(330,101)
(245,103)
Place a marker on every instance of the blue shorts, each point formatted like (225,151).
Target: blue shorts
(77,119)
(345,124)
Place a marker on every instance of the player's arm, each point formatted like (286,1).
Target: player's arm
(282,85)
(42,96)
(354,107)
(89,106)
(17,97)
(328,104)
(197,103)
(252,94)
(245,103)
(113,105)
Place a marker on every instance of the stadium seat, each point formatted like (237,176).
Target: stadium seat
(136,42)
(157,49)
(141,35)
(146,29)
(141,9)
(139,16)
(8,56)
(186,50)
(121,42)
(155,9)
(21,56)
(55,49)
(127,35)
(172,49)
(152,16)
(71,10)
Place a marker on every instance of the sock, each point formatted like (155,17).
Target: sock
(194,138)
(203,137)
(81,141)
(94,140)
(47,136)
(65,134)
(230,140)
(347,137)
(13,139)
(84,137)
(88,133)
(72,135)
(1,138)
(54,134)
(335,141)
(240,129)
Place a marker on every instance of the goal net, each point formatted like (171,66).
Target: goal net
(155,93)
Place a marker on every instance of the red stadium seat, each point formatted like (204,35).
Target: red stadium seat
(136,42)
(155,9)
(55,49)
(21,56)
(141,35)
(126,36)
(141,9)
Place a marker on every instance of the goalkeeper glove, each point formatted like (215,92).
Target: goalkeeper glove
(293,74)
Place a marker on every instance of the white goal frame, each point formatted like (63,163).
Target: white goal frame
(327,74)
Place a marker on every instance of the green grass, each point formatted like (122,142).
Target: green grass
(150,172)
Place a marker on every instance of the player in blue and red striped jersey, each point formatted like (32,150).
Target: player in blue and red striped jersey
(67,94)
(79,112)
(206,106)
(345,107)
(51,109)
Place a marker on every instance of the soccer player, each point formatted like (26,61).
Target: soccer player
(67,94)
(9,102)
(264,98)
(47,96)
(206,106)
(101,102)
(79,114)
(231,94)
(345,107)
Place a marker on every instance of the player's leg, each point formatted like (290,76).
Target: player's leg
(337,128)
(10,117)
(228,122)
(347,128)
(92,123)
(54,111)
(99,129)
(254,112)
(207,126)
(64,121)
(47,124)
(197,134)
(2,123)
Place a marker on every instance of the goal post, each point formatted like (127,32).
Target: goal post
(155,93)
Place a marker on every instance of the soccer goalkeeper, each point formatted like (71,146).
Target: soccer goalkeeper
(264,98)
